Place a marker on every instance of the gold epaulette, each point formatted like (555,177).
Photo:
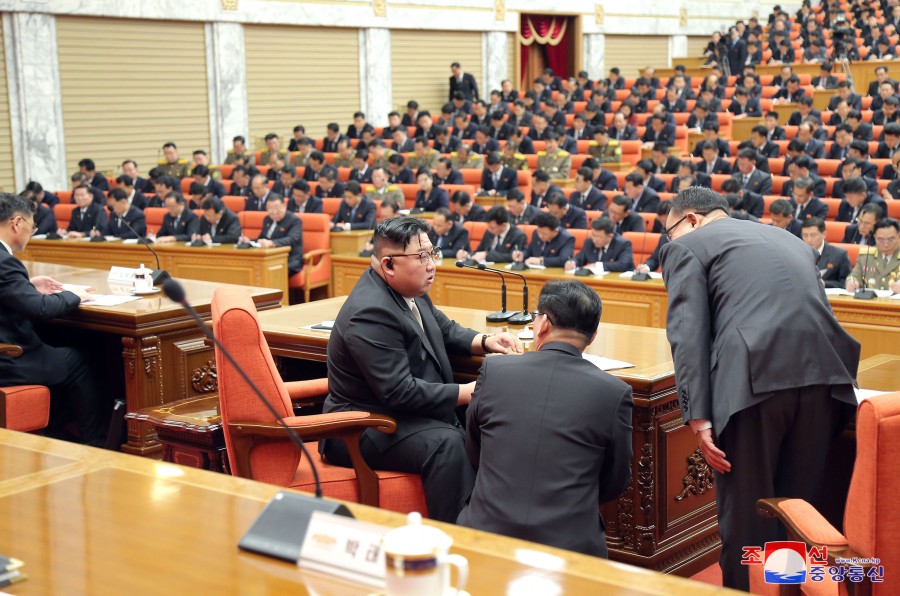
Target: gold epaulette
(519,156)
(411,154)
(594,144)
(453,154)
(542,153)
(613,143)
(231,152)
(370,189)
(392,187)
(562,153)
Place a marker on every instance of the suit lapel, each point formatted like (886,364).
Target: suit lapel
(428,333)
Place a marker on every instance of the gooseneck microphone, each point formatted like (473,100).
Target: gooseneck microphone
(175,292)
(158,276)
(524,317)
(865,293)
(502,315)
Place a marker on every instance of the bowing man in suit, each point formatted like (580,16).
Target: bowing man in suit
(281,228)
(388,355)
(497,180)
(605,247)
(88,216)
(302,201)
(180,223)
(550,500)
(569,216)
(22,300)
(121,211)
(586,195)
(833,262)
(551,245)
(219,224)
(751,177)
(430,197)
(520,211)
(499,241)
(447,235)
(750,387)
(356,211)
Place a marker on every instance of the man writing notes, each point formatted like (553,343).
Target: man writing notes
(746,305)
(547,458)
(388,354)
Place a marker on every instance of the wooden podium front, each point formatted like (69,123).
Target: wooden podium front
(666,518)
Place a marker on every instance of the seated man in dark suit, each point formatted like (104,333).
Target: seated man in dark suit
(620,130)
(180,223)
(620,212)
(856,195)
(542,189)
(356,212)
(551,245)
(135,197)
(445,173)
(804,110)
(499,241)
(121,212)
(643,198)
(751,177)
(80,178)
(240,186)
(497,180)
(520,211)
(806,204)
(447,235)
(569,216)
(95,179)
(212,186)
(87,216)
(429,197)
(646,169)
(833,263)
(861,232)
(751,203)
(329,187)
(304,202)
(605,247)
(399,173)
(44,218)
(63,370)
(219,224)
(464,209)
(586,195)
(388,354)
(782,213)
(712,162)
(281,228)
(659,131)
(552,501)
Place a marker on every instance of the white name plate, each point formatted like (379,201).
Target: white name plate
(344,547)
(121,275)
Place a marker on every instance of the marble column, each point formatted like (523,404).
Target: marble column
(35,109)
(594,55)
(375,89)
(678,48)
(495,61)
(226,76)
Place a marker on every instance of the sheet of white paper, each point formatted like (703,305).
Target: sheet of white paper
(328,324)
(525,334)
(630,274)
(110,300)
(37,237)
(529,266)
(75,288)
(862,394)
(606,363)
(895,297)
(837,292)
(597,272)
(883,293)
(130,241)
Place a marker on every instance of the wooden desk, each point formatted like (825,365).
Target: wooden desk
(161,353)
(618,166)
(693,139)
(784,111)
(87,521)
(821,97)
(666,518)
(259,267)
(874,323)
(488,202)
(741,127)
(350,242)
(881,373)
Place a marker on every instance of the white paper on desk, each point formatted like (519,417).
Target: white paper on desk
(528,266)
(606,363)
(883,293)
(630,274)
(130,241)
(894,297)
(596,272)
(36,237)
(862,394)
(313,327)
(110,300)
(837,292)
(404,211)
(75,288)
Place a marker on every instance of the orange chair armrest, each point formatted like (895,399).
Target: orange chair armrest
(316,427)
(311,390)
(310,256)
(10,350)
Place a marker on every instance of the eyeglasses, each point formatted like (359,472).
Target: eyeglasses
(424,256)
(536,313)
(668,231)
(33,226)
(887,240)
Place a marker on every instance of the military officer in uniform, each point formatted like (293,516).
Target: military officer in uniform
(239,150)
(554,160)
(880,269)
(380,154)
(422,156)
(512,158)
(272,146)
(463,158)
(201,158)
(380,190)
(172,165)
(604,149)
(345,155)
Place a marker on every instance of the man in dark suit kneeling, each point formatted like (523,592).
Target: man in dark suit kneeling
(388,354)
(570,424)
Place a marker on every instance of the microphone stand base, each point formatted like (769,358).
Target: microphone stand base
(864,294)
(521,318)
(519,267)
(159,277)
(640,277)
(501,316)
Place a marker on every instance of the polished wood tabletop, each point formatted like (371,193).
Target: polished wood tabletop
(881,373)
(87,521)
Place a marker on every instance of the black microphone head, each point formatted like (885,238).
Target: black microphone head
(460,264)
(174,291)
(482,266)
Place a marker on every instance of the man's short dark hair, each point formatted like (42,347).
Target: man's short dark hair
(461,197)
(493,158)
(178,197)
(887,222)
(200,170)
(498,215)
(214,203)
(117,194)
(239,139)
(730,185)
(855,185)
(622,201)
(558,199)
(87,164)
(274,197)
(546,220)
(603,224)
(748,153)
(397,159)
(124,180)
(804,161)
(781,207)
(328,173)
(813,222)
(271,136)
(699,200)
(195,189)
(317,156)
(664,207)
(635,179)
(541,176)
(569,304)
(444,212)
(397,232)
(353,188)
(516,195)
(12,205)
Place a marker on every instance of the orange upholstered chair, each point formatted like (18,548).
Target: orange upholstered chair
(259,448)
(23,407)
(872,514)
(316,272)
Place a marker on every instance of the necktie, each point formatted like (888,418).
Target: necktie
(746,179)
(271,229)
(353,213)
(416,314)
(177,221)
(496,179)
(118,222)
(440,243)
(496,243)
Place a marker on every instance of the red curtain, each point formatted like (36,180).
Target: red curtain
(545,37)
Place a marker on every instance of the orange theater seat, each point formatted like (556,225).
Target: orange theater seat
(258,448)
(316,272)
(24,408)
(476,231)
(63,214)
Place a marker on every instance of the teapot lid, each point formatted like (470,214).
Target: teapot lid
(415,538)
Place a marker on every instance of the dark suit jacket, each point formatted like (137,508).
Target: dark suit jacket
(380,360)
(525,218)
(751,109)
(556,252)
(45,220)
(20,304)
(436,199)
(215,187)
(239,191)
(632,223)
(468,86)
(508,180)
(758,312)
(752,203)
(489,146)
(405,176)
(575,461)
(648,202)
(760,182)
(227,231)
(288,232)
(456,239)
(574,218)
(187,225)
(666,135)
(134,217)
(652,261)
(515,239)
(797,118)
(453,177)
(449,146)
(363,177)
(834,265)
(814,208)
(593,200)
(815,149)
(656,183)
(538,201)
(606,180)
(720,166)
(851,236)
(629,133)
(845,211)
(93,217)
(312,205)
(336,192)
(618,255)
(364,218)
